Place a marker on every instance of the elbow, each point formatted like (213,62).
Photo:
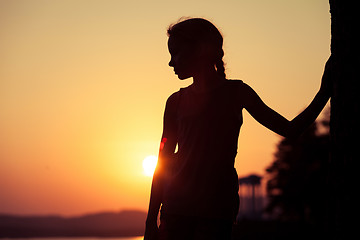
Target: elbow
(291,135)
(295,129)
(291,131)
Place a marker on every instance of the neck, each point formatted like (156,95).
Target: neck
(206,80)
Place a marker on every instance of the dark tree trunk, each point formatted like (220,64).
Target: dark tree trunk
(344,124)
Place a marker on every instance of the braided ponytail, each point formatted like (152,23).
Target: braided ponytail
(220,68)
(219,64)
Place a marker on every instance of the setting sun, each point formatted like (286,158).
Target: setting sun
(149,165)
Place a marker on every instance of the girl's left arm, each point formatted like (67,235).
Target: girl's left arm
(277,123)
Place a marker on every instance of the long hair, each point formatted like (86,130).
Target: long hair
(197,31)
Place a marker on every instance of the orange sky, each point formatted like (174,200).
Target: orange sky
(83,85)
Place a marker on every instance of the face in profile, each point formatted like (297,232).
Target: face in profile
(183,58)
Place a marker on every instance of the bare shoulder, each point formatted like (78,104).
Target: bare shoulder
(173,98)
(243,91)
(172,102)
(239,85)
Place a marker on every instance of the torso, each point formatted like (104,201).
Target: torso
(204,180)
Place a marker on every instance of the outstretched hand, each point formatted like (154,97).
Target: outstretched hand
(326,82)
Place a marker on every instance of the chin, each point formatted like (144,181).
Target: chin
(183,77)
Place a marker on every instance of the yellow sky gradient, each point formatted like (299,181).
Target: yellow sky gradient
(83,84)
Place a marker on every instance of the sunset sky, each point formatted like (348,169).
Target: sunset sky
(83,85)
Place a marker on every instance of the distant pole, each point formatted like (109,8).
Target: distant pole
(344,124)
(253,198)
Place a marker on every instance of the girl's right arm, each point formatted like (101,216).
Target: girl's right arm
(166,154)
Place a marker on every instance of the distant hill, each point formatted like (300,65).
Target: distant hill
(104,224)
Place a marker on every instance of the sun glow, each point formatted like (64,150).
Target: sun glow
(149,165)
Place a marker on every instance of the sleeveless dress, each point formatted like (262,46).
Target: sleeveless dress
(203,181)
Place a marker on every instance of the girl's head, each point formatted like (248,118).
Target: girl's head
(195,44)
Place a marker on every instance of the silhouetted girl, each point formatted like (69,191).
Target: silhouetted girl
(197,187)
